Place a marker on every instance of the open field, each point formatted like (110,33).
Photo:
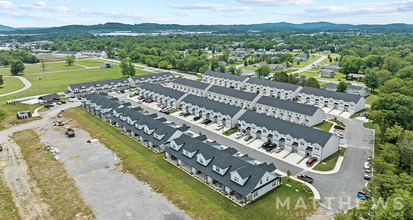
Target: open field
(37,68)
(8,209)
(308,74)
(198,200)
(89,63)
(325,126)
(56,188)
(10,85)
(371,98)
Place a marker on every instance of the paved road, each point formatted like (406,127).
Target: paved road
(309,66)
(346,183)
(26,83)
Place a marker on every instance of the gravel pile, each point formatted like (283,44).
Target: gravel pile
(111,194)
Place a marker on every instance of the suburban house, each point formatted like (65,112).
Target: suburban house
(248,73)
(164,77)
(301,57)
(334,67)
(105,86)
(262,51)
(76,54)
(298,113)
(334,100)
(277,67)
(326,51)
(232,174)
(305,141)
(224,79)
(218,112)
(327,73)
(234,97)
(49,98)
(94,53)
(357,77)
(191,86)
(162,95)
(272,88)
(222,63)
(351,89)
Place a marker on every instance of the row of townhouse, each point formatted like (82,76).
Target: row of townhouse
(299,139)
(290,111)
(351,89)
(235,175)
(238,176)
(154,132)
(164,77)
(323,98)
(218,112)
(105,86)
(162,95)
(80,54)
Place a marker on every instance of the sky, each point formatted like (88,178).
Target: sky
(51,13)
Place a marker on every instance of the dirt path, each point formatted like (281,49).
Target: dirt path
(25,194)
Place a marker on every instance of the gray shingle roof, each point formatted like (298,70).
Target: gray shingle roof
(233,93)
(101,83)
(330,94)
(330,85)
(163,90)
(278,85)
(153,76)
(212,105)
(284,127)
(50,97)
(225,76)
(67,52)
(191,83)
(288,105)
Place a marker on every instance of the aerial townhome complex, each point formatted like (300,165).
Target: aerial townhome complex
(191,86)
(272,88)
(162,95)
(105,86)
(164,77)
(224,79)
(234,97)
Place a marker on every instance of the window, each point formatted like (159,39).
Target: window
(268,178)
(274,183)
(317,148)
(186,153)
(217,169)
(288,139)
(201,160)
(264,130)
(260,181)
(256,194)
(173,145)
(236,179)
(301,142)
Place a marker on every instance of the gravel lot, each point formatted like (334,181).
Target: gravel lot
(111,193)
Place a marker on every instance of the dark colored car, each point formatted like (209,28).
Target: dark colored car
(63,102)
(265,145)
(165,111)
(247,138)
(80,98)
(363,196)
(47,106)
(207,121)
(311,161)
(186,114)
(339,127)
(197,118)
(270,147)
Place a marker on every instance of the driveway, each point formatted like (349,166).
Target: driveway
(26,83)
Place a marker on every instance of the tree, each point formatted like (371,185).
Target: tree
(17,67)
(43,64)
(125,68)
(246,63)
(330,59)
(288,174)
(298,62)
(370,79)
(263,71)
(122,54)
(312,82)
(70,60)
(238,72)
(132,69)
(214,65)
(1,80)
(380,118)
(394,108)
(222,68)
(231,69)
(342,87)
(350,64)
(392,64)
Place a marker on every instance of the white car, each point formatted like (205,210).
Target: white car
(340,135)
(366,165)
(219,127)
(69,100)
(239,135)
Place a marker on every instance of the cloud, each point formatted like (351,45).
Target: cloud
(232,9)
(382,3)
(40,3)
(232,2)
(6,5)
(182,13)
(196,6)
(275,2)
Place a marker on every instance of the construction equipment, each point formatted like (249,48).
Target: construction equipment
(59,122)
(70,132)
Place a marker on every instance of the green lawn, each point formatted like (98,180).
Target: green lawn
(372,97)
(377,135)
(308,74)
(325,126)
(197,199)
(330,162)
(89,63)
(357,114)
(10,85)
(230,131)
(306,63)
(37,68)
(8,209)
(249,68)
(338,122)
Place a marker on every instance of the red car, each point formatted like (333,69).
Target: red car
(311,161)
(203,121)
(163,107)
(339,127)
(160,84)
(150,100)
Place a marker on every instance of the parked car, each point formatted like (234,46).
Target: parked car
(305,178)
(203,121)
(366,165)
(368,158)
(150,100)
(339,127)
(186,114)
(363,196)
(340,135)
(207,122)
(47,106)
(197,118)
(270,147)
(181,113)
(165,111)
(70,100)
(80,98)
(58,103)
(247,138)
(63,102)
(367,174)
(187,125)
(279,149)
(239,135)
(311,161)
(266,144)
(219,127)
(163,107)
(141,97)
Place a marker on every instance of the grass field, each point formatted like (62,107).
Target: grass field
(56,188)
(308,74)
(325,126)
(198,200)
(306,63)
(338,122)
(37,68)
(8,209)
(372,97)
(330,162)
(10,85)
(89,63)
(230,131)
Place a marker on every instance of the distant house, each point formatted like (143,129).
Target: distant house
(250,50)
(222,63)
(334,67)
(49,98)
(24,114)
(76,54)
(277,67)
(106,65)
(94,53)
(357,77)
(326,52)
(301,57)
(248,73)
(327,73)
(285,51)
(355,90)
(262,51)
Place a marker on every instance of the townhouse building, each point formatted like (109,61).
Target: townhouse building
(232,174)
(105,86)
(296,138)
(351,89)
(76,54)
(94,53)
(298,113)
(225,79)
(272,88)
(164,77)
(162,95)
(191,86)
(334,100)
(234,97)
(218,112)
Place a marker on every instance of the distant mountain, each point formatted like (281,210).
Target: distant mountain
(154,27)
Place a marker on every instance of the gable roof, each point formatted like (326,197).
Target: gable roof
(98,83)
(162,90)
(284,127)
(209,104)
(288,105)
(330,85)
(152,76)
(225,76)
(50,97)
(191,83)
(67,52)
(275,84)
(233,93)
(330,94)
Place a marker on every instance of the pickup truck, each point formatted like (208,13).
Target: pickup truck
(305,178)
